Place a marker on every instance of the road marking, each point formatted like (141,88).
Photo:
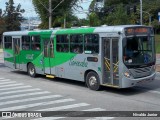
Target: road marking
(98,118)
(2,83)
(64,107)
(12,88)
(17,88)
(152,91)
(55,118)
(11,85)
(29,99)
(5,80)
(19,91)
(36,104)
(49,118)
(101,118)
(95,109)
(22,95)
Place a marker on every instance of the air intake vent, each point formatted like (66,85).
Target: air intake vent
(141,72)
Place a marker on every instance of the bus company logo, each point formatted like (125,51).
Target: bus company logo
(21,114)
(6,115)
(29,56)
(83,63)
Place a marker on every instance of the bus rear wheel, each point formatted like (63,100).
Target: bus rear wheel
(31,70)
(92,81)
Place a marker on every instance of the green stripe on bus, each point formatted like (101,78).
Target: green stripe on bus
(58,59)
(75,31)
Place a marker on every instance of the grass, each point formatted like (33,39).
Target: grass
(157,43)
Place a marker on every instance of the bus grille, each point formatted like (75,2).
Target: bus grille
(141,72)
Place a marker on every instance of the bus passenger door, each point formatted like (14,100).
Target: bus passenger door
(48,55)
(111,61)
(16,51)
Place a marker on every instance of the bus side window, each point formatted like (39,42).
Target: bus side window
(7,42)
(62,44)
(26,42)
(35,43)
(91,43)
(76,44)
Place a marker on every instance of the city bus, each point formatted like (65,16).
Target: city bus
(114,56)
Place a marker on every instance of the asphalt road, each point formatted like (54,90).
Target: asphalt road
(19,92)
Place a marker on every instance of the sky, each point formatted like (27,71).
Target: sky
(30,12)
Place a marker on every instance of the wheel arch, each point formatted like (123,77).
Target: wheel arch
(87,71)
(28,64)
(92,80)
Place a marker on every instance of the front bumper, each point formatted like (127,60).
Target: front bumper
(129,82)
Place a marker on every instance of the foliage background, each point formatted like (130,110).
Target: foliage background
(10,18)
(63,11)
(114,12)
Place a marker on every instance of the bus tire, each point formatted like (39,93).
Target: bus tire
(92,81)
(31,70)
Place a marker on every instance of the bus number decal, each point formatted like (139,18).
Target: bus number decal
(29,56)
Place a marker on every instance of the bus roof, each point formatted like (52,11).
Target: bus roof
(114,29)
(16,33)
(99,29)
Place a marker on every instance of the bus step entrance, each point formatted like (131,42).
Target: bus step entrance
(50,76)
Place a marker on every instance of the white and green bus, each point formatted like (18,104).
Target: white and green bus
(114,56)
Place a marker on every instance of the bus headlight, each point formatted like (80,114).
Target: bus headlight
(127,74)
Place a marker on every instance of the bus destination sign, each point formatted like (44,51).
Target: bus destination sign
(137,30)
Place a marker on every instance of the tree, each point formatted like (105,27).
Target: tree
(115,12)
(94,20)
(2,23)
(117,17)
(13,16)
(152,8)
(63,11)
(84,22)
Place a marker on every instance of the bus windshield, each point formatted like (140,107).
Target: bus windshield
(138,50)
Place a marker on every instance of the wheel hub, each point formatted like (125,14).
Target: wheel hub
(32,71)
(92,81)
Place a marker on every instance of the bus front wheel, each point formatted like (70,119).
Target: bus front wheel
(31,70)
(92,81)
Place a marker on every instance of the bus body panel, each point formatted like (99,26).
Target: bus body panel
(76,67)
(8,58)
